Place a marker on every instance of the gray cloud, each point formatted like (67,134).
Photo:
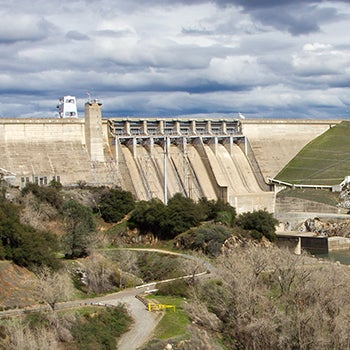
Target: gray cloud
(263,58)
(75,35)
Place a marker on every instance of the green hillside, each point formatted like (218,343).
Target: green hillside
(324,161)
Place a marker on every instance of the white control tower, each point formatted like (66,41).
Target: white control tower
(67,107)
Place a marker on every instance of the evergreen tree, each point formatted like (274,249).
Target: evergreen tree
(114,204)
(260,221)
(80,226)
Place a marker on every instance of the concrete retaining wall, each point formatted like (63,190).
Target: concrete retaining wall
(338,243)
(313,245)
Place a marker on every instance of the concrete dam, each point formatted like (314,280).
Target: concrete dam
(226,159)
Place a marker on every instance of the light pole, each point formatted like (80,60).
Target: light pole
(165,176)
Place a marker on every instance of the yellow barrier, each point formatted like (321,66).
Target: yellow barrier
(158,307)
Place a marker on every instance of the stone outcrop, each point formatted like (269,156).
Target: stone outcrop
(325,228)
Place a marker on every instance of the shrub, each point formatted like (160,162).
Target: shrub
(148,216)
(101,329)
(165,222)
(260,221)
(256,235)
(114,204)
(49,194)
(174,288)
(23,244)
(208,239)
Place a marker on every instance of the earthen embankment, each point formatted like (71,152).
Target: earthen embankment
(276,142)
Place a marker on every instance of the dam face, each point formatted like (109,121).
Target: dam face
(198,158)
(153,157)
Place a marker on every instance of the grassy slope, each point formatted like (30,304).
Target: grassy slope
(173,324)
(318,195)
(324,161)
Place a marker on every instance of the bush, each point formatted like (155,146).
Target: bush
(100,329)
(260,221)
(148,216)
(208,239)
(174,288)
(49,194)
(114,204)
(219,211)
(22,244)
(256,235)
(165,222)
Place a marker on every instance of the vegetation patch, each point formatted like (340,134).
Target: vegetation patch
(21,243)
(114,204)
(173,324)
(207,239)
(315,195)
(99,328)
(155,267)
(324,161)
(89,328)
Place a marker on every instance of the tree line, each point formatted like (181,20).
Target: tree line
(30,247)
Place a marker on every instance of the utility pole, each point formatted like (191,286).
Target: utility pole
(165,167)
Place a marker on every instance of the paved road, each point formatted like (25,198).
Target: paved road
(144,321)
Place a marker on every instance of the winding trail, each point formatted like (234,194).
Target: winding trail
(144,321)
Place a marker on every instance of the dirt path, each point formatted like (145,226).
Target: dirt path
(144,323)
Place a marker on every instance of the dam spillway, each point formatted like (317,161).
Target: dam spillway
(197,158)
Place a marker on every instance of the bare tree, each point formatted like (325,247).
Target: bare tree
(272,299)
(52,286)
(194,264)
(127,262)
(100,273)
(21,336)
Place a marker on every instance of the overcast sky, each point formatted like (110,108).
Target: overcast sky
(263,58)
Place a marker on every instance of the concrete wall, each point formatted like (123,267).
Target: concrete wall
(38,150)
(313,245)
(42,130)
(338,243)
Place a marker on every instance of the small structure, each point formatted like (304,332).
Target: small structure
(7,176)
(67,107)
